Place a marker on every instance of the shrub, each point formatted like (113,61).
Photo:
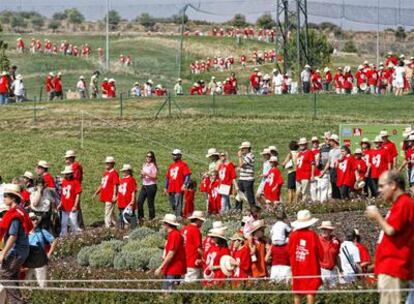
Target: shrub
(350,47)
(120,260)
(140,259)
(102,257)
(152,241)
(115,245)
(84,254)
(155,261)
(140,233)
(133,245)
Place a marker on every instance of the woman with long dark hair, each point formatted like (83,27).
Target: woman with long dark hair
(148,190)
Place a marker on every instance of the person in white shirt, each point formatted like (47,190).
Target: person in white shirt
(19,89)
(81,87)
(399,78)
(277,82)
(305,78)
(350,259)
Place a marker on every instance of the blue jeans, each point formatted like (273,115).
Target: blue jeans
(225,204)
(410,297)
(170,282)
(4,98)
(176,201)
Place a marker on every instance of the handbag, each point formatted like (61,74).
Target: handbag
(37,256)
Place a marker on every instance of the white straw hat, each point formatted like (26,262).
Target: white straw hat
(43,164)
(227,265)
(314,138)
(12,189)
(70,153)
(28,175)
(211,152)
(170,219)
(302,141)
(378,139)
(273,148)
(197,215)
(219,233)
(218,225)
(126,167)
(304,220)
(67,170)
(109,160)
(335,138)
(384,133)
(256,225)
(365,140)
(176,152)
(327,225)
(245,144)
(265,151)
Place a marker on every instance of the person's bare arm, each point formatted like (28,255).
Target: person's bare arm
(9,244)
(52,249)
(165,262)
(374,214)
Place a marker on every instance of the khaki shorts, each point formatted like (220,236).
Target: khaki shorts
(389,287)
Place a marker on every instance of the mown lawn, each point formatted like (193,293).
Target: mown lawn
(261,120)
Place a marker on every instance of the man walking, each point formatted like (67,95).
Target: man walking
(246,175)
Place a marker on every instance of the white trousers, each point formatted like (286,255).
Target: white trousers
(280,273)
(69,218)
(40,274)
(192,275)
(329,277)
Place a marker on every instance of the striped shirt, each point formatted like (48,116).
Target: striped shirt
(247,169)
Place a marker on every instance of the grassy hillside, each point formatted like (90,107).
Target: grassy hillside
(261,120)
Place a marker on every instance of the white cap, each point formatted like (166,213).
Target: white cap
(273,148)
(176,152)
(109,159)
(67,170)
(81,77)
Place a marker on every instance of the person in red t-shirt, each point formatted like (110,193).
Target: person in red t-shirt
(394,263)
(227,176)
(69,202)
(306,252)
(273,183)
(105,88)
(42,170)
(388,145)
(255,82)
(189,197)
(360,169)
(305,167)
(330,245)
(364,255)
(327,80)
(50,89)
(339,81)
(345,179)
(217,250)
(241,253)
(173,265)
(214,197)
(126,197)
(57,84)
(193,246)
(379,161)
(107,190)
(176,182)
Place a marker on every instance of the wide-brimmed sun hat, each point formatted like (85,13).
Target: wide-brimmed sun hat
(237,237)
(126,167)
(170,219)
(13,189)
(273,148)
(43,164)
(327,225)
(109,160)
(28,175)
(245,144)
(303,141)
(265,151)
(199,215)
(335,138)
(218,233)
(67,170)
(256,225)
(365,140)
(227,265)
(70,153)
(304,220)
(211,152)
(384,133)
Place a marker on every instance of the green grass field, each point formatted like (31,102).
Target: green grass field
(261,120)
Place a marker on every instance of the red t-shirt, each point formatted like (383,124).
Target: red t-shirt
(227,173)
(305,251)
(379,162)
(127,186)
(280,255)
(49,180)
(274,177)
(214,198)
(177,265)
(360,167)
(207,244)
(109,181)
(25,197)
(192,243)
(304,165)
(70,189)
(363,253)
(391,148)
(330,252)
(77,171)
(242,256)
(394,255)
(57,83)
(176,174)
(4,84)
(345,173)
(409,156)
(254,80)
(317,154)
(189,196)
(213,259)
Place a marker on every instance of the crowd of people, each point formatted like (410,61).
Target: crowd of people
(45,207)
(227,63)
(266,35)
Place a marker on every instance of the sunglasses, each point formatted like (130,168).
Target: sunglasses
(149,156)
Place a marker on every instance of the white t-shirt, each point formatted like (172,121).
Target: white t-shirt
(399,74)
(353,255)
(279,233)
(2,205)
(277,80)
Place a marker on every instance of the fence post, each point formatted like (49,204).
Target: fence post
(41,93)
(34,111)
(169,104)
(121,105)
(82,130)
(214,104)
(314,105)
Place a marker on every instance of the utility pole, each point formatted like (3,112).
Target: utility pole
(180,55)
(107,36)
(378,30)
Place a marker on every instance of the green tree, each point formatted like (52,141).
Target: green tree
(238,20)
(319,49)
(4,60)
(54,25)
(146,20)
(6,17)
(37,22)
(177,19)
(114,19)
(266,21)
(350,47)
(59,16)
(18,22)
(74,16)
(400,34)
